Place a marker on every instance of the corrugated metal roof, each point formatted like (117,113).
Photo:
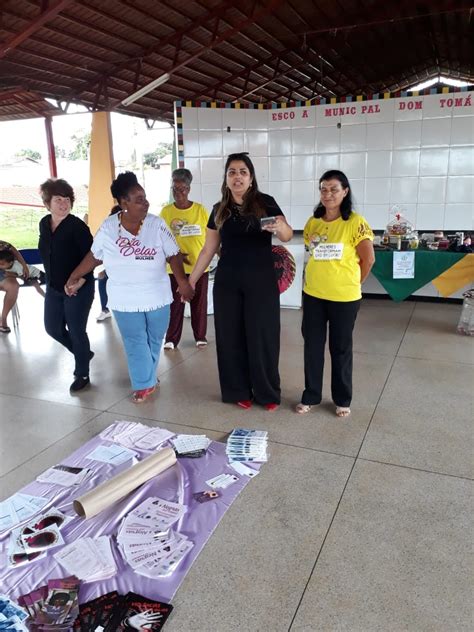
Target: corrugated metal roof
(98,52)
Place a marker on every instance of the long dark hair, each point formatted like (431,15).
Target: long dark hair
(251,207)
(346,204)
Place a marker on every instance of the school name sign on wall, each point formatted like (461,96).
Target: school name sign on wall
(414,150)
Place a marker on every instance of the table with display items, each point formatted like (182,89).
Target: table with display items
(448,271)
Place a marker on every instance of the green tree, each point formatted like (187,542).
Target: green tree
(82,142)
(60,152)
(29,153)
(152,158)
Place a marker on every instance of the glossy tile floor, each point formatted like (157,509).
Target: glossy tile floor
(360,524)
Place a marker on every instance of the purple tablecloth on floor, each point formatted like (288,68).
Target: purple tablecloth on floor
(177,484)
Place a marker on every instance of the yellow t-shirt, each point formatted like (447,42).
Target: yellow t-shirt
(189,229)
(333,271)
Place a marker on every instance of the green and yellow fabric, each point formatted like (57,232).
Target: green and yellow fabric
(448,271)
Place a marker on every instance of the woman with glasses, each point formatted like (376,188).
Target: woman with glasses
(246,297)
(187,221)
(342,254)
(134,247)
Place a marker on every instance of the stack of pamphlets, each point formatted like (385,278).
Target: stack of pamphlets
(89,559)
(52,607)
(247,445)
(147,541)
(112,453)
(192,446)
(64,475)
(12,617)
(18,508)
(135,435)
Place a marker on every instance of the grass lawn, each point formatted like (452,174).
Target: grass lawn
(19,225)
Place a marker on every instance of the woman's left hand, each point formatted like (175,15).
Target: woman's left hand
(186,291)
(26,270)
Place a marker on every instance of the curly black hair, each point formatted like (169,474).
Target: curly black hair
(123,184)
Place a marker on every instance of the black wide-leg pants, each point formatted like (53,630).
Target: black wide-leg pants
(247,324)
(341,316)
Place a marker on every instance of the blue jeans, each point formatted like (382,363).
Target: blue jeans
(142,334)
(65,320)
(102,285)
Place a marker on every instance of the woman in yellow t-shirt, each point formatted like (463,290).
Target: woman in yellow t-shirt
(340,243)
(188,222)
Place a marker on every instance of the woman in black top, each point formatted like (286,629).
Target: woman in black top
(64,241)
(246,297)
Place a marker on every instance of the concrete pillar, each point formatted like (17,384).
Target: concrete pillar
(102,170)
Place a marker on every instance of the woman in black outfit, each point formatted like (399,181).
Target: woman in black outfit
(246,297)
(63,243)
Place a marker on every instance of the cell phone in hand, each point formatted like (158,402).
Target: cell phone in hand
(267,221)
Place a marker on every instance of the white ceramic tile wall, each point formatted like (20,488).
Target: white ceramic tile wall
(459,215)
(462,130)
(406,134)
(235,119)
(380,136)
(325,162)
(405,162)
(432,190)
(303,140)
(233,142)
(353,137)
(461,161)
(328,139)
(436,132)
(301,214)
(430,217)
(302,167)
(212,170)
(434,162)
(354,163)
(416,152)
(281,191)
(257,143)
(379,164)
(279,168)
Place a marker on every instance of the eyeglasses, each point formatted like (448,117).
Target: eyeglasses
(180,189)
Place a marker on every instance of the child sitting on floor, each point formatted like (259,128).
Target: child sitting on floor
(12,267)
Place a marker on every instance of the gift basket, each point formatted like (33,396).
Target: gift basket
(400,233)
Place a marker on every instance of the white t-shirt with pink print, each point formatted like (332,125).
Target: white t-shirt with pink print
(136,265)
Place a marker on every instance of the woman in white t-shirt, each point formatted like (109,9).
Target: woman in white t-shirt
(134,248)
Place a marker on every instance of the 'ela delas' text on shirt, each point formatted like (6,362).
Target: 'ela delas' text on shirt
(130,247)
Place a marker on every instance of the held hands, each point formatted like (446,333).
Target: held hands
(73,286)
(186,291)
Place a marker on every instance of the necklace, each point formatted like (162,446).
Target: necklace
(120,227)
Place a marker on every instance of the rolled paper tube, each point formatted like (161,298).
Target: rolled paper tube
(116,488)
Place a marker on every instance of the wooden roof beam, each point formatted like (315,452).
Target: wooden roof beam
(33,26)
